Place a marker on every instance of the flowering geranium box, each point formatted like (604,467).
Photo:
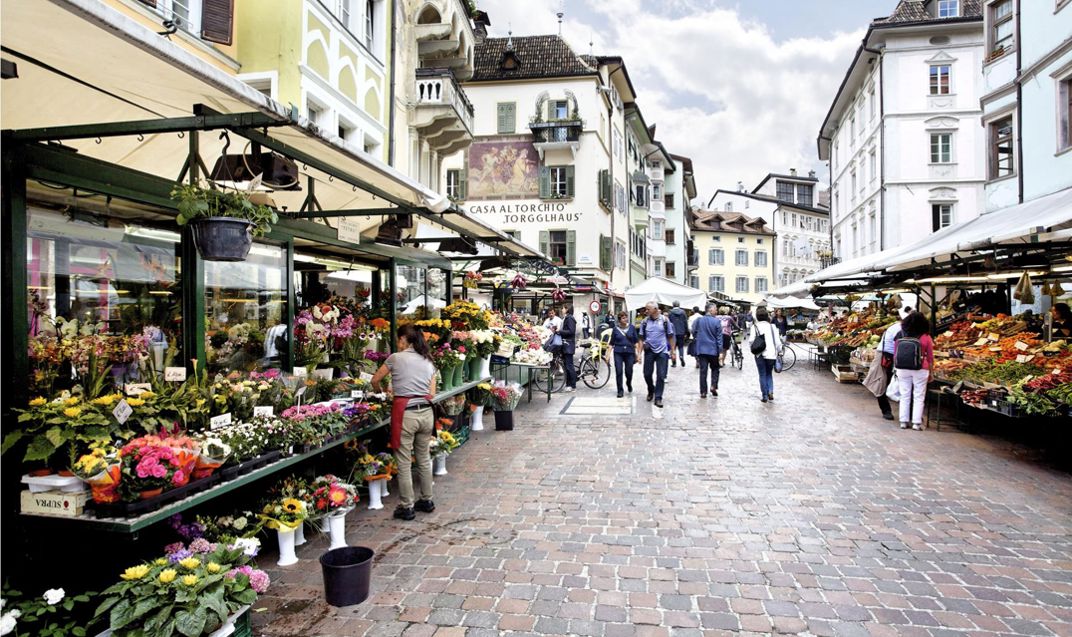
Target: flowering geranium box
(58,503)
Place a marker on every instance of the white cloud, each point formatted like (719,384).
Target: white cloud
(719,88)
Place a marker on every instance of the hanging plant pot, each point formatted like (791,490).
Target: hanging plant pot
(222,238)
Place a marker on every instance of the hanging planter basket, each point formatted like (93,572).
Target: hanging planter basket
(222,238)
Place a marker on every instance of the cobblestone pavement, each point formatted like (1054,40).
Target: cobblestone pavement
(808,515)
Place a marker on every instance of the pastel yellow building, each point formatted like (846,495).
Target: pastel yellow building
(735,255)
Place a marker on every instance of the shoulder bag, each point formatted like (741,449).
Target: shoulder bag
(759,344)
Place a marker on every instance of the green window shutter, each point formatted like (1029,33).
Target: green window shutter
(545,182)
(604,253)
(545,241)
(571,248)
(463,184)
(569,181)
(511,117)
(505,117)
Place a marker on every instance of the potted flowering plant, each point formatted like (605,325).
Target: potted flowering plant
(101,470)
(59,431)
(214,452)
(191,592)
(442,446)
(224,222)
(284,516)
(333,499)
(375,469)
(152,465)
(504,398)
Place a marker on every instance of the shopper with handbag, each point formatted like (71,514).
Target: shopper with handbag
(623,339)
(766,347)
(885,351)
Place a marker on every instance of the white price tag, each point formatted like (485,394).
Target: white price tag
(1022,346)
(300,392)
(357,394)
(264,410)
(301,372)
(365,376)
(175,374)
(219,421)
(981,341)
(137,389)
(994,336)
(1057,371)
(122,411)
(1020,358)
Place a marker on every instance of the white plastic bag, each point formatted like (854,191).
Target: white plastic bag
(893,392)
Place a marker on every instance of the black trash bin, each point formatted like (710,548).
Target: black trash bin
(347,575)
(504,421)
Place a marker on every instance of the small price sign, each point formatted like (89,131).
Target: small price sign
(137,389)
(301,372)
(122,411)
(266,411)
(300,392)
(357,394)
(175,374)
(1020,345)
(365,376)
(219,421)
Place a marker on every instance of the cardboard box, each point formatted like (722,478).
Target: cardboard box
(66,505)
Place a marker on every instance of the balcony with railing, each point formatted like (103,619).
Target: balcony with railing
(656,173)
(443,114)
(557,135)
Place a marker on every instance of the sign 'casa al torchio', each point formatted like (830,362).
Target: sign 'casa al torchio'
(512,214)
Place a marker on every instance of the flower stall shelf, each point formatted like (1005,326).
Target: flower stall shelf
(199,590)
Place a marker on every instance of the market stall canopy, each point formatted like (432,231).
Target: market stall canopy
(1024,223)
(664,292)
(800,289)
(62,82)
(852,269)
(790,302)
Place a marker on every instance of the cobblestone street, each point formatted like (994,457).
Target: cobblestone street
(808,515)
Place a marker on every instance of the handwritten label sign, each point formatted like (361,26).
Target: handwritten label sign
(137,389)
(349,230)
(220,421)
(1020,345)
(981,341)
(175,374)
(266,411)
(357,394)
(122,411)
(994,336)
(301,372)
(365,376)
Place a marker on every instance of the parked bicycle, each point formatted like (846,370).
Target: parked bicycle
(736,353)
(592,365)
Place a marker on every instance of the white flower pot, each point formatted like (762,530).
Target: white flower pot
(439,465)
(286,546)
(485,367)
(375,488)
(383,487)
(337,530)
(299,534)
(477,421)
(54,482)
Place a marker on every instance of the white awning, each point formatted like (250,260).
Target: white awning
(800,289)
(855,268)
(1007,226)
(790,302)
(98,66)
(664,292)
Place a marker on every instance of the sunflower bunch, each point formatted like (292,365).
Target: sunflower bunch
(284,513)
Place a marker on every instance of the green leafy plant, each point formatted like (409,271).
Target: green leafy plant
(195,202)
(49,615)
(61,430)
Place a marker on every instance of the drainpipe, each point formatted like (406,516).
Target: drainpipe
(1019,109)
(391,92)
(882,149)
(613,194)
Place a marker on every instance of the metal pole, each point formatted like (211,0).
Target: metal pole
(193,281)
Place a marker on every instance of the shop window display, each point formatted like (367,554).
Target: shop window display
(102,294)
(245,311)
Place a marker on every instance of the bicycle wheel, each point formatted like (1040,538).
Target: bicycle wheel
(738,357)
(558,377)
(789,358)
(595,373)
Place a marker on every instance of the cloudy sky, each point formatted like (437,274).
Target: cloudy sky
(741,86)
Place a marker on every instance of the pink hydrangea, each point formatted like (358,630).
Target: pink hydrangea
(173,548)
(259,580)
(201,545)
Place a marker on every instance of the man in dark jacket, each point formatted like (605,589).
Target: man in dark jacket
(568,332)
(680,320)
(708,334)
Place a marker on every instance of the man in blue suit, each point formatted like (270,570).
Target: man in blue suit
(708,335)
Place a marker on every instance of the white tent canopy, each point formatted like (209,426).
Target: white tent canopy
(664,292)
(790,302)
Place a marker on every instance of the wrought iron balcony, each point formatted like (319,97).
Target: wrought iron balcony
(560,131)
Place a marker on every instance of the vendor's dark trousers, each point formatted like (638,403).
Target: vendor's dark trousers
(623,363)
(655,372)
(883,402)
(681,343)
(708,362)
(571,370)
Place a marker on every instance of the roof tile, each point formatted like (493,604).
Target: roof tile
(539,56)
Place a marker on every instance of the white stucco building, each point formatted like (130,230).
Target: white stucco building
(791,204)
(548,159)
(902,136)
(1027,80)
(677,237)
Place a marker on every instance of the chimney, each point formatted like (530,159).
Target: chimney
(811,174)
(740,186)
(792,172)
(480,27)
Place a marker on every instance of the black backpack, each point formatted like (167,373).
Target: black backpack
(907,352)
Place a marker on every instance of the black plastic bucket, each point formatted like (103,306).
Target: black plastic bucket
(347,575)
(223,238)
(504,421)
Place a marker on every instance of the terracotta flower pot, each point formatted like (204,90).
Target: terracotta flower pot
(66,473)
(151,493)
(40,473)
